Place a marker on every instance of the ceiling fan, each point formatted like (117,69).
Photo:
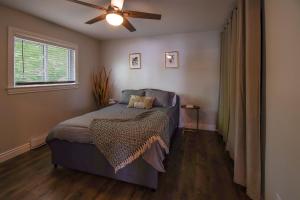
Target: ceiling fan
(115,16)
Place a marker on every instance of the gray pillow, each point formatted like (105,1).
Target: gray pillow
(162,98)
(127,93)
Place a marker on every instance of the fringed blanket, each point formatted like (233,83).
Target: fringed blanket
(122,141)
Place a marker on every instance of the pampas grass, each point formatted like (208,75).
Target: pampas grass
(101,79)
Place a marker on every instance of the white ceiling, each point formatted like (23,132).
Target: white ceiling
(178,16)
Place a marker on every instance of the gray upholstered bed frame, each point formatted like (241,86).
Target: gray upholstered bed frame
(87,158)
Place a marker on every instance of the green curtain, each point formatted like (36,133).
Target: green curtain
(239,102)
(224,107)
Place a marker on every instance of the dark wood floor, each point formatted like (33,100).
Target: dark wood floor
(197,168)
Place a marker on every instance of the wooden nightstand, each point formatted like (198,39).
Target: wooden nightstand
(193,107)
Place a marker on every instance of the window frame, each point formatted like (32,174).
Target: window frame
(16,89)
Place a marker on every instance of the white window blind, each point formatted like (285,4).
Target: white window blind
(37,63)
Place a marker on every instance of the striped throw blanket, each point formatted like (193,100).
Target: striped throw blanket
(122,141)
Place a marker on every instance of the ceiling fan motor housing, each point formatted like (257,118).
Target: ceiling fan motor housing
(114,10)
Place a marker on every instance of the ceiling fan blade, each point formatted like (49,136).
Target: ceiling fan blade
(128,25)
(88,4)
(143,15)
(96,19)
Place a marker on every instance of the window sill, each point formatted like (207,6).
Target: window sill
(41,88)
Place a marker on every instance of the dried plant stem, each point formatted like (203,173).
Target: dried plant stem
(101,88)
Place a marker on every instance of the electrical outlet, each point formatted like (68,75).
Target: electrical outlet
(278,197)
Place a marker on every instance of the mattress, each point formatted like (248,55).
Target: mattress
(77,129)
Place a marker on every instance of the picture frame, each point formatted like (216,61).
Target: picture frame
(135,60)
(172,59)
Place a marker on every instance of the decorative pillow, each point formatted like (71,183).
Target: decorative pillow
(139,105)
(134,99)
(126,94)
(162,98)
(141,102)
(148,101)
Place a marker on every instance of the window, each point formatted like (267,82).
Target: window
(38,63)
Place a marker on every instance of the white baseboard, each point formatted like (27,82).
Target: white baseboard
(37,141)
(33,144)
(207,127)
(14,152)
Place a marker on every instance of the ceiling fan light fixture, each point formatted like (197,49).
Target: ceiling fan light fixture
(114,19)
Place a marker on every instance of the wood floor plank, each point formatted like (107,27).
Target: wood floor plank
(197,168)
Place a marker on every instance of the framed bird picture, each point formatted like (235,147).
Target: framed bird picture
(171,59)
(135,61)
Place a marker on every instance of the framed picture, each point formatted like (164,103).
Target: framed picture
(135,61)
(171,59)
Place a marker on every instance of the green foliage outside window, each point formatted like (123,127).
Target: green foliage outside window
(37,62)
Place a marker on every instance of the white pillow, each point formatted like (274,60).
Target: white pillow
(139,105)
(174,101)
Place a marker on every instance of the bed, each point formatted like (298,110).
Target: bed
(72,146)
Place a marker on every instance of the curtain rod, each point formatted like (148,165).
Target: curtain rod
(231,15)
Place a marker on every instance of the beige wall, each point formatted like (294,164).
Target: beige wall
(282,99)
(196,80)
(24,116)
